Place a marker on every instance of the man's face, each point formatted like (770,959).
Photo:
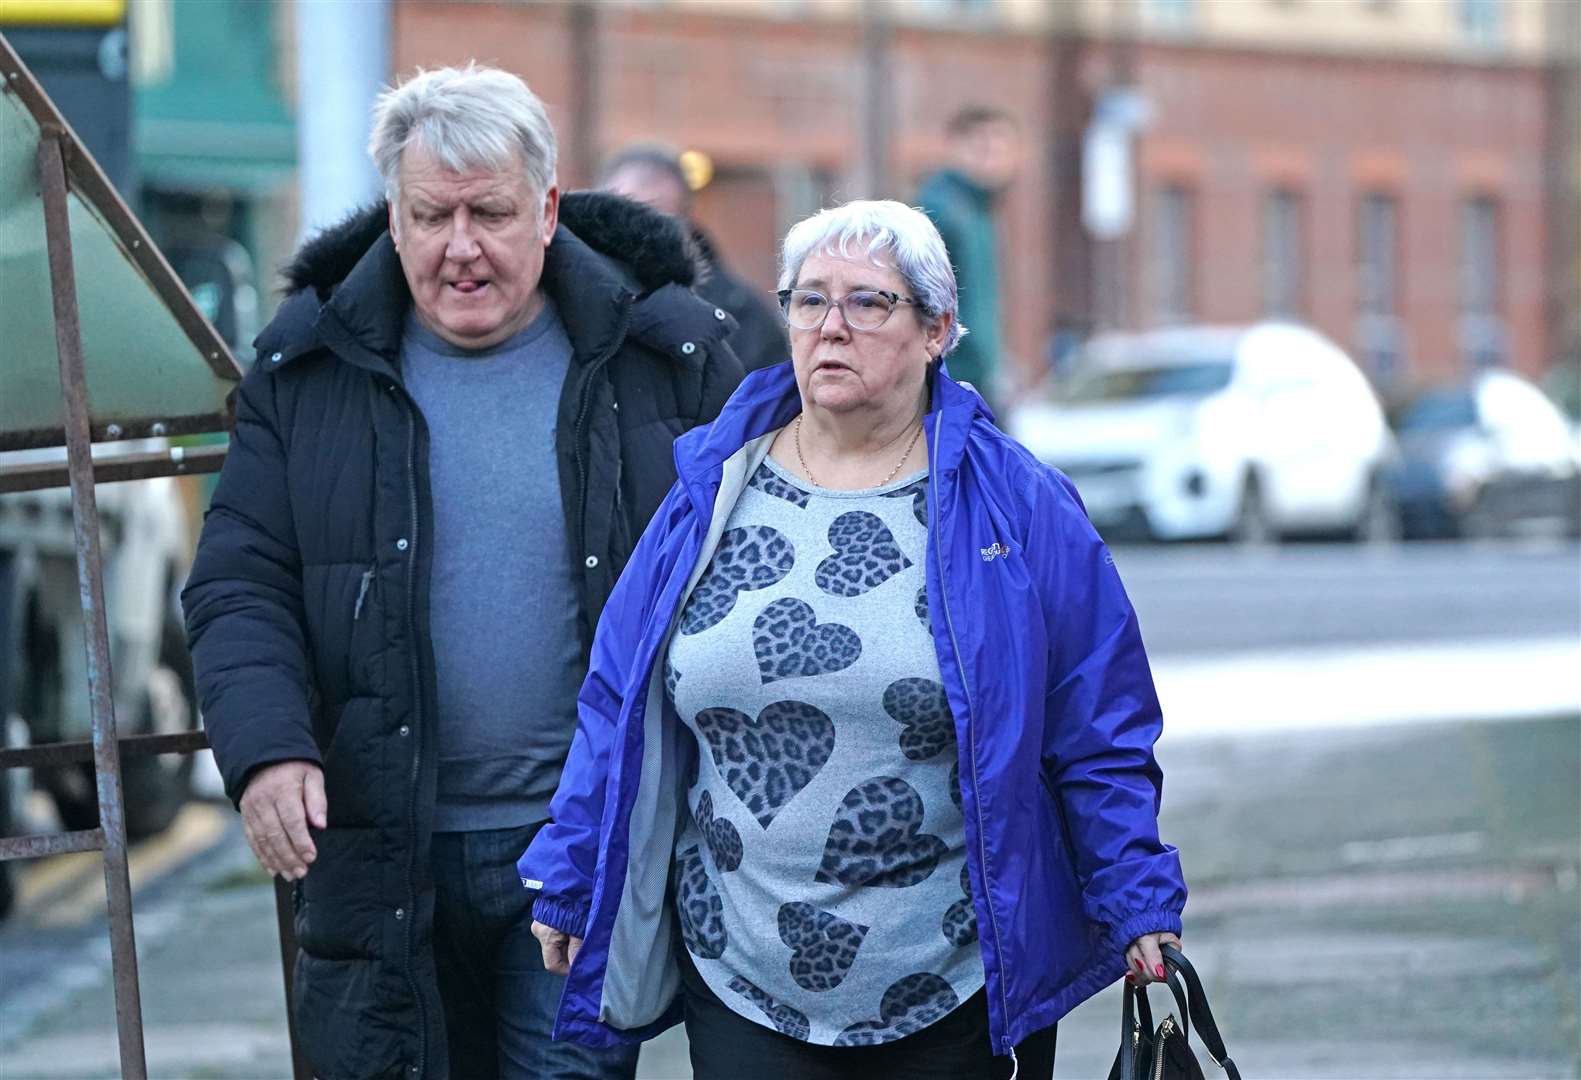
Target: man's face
(472,248)
(648,185)
(990,153)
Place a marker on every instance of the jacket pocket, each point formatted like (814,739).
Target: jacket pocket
(347,1023)
(340,905)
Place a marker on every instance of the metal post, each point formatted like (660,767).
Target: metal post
(90,585)
(285,912)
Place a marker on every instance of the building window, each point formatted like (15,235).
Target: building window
(1170,258)
(1379,331)
(1282,249)
(1481,20)
(1380,215)
(1481,328)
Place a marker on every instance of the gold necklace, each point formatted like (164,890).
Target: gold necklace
(796,437)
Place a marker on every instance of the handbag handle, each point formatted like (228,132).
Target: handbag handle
(1136,1008)
(1207,1030)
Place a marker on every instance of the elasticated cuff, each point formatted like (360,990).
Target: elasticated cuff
(567,916)
(1158,921)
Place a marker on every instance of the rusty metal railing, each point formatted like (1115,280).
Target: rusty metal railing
(56,145)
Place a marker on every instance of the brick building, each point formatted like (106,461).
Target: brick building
(1400,174)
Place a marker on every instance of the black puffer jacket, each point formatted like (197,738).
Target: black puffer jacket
(307,607)
(759,340)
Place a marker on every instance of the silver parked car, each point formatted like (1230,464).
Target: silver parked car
(1252,432)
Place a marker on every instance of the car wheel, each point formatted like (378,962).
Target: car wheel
(1478,521)
(153,787)
(8,824)
(1379,522)
(42,706)
(1252,527)
(157,786)
(7,887)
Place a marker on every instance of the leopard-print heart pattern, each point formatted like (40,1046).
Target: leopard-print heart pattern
(791,643)
(769,482)
(918,493)
(960,919)
(786,1020)
(724,842)
(921,709)
(767,762)
(865,555)
(748,558)
(823,946)
(877,840)
(702,911)
(910,1004)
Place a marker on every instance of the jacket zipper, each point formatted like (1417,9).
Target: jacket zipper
(971,721)
(593,370)
(417,728)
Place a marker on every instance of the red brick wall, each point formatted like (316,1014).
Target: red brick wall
(1233,124)
(761,94)
(758,93)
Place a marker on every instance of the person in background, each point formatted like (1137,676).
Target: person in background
(863,783)
(985,158)
(652,174)
(459,422)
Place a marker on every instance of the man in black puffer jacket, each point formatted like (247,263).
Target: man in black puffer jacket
(458,425)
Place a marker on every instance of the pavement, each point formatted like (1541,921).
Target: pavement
(1382,836)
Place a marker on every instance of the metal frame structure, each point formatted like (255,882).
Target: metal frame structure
(64,166)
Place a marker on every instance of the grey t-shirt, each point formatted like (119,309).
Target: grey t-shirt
(503,611)
(820,877)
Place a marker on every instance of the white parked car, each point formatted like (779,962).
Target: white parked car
(1250,432)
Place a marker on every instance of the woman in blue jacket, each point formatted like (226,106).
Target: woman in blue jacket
(864,782)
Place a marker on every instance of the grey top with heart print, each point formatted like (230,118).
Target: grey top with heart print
(820,876)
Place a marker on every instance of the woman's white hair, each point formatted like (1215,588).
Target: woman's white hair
(891,235)
(468,117)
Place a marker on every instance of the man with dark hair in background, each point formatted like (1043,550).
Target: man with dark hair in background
(652,174)
(985,157)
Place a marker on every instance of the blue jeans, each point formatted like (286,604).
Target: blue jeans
(499,1000)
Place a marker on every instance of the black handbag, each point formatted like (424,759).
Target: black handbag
(1165,1053)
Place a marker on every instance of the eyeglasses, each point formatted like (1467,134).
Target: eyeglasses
(864,309)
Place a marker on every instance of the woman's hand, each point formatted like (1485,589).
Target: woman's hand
(1144,959)
(559,948)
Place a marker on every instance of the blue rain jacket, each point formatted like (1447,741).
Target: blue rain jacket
(1054,707)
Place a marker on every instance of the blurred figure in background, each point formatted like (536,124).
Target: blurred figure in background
(985,158)
(652,174)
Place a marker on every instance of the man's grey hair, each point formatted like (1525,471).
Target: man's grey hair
(468,118)
(891,235)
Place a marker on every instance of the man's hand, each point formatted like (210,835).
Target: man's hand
(280,802)
(1144,961)
(559,948)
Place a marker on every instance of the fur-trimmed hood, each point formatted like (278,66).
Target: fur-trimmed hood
(653,246)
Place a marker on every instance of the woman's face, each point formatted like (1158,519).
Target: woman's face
(844,370)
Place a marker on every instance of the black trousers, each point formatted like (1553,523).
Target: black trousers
(728,1046)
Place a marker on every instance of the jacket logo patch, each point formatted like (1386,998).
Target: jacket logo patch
(996,551)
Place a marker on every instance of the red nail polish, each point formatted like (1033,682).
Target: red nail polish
(1140,970)
(1159,968)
